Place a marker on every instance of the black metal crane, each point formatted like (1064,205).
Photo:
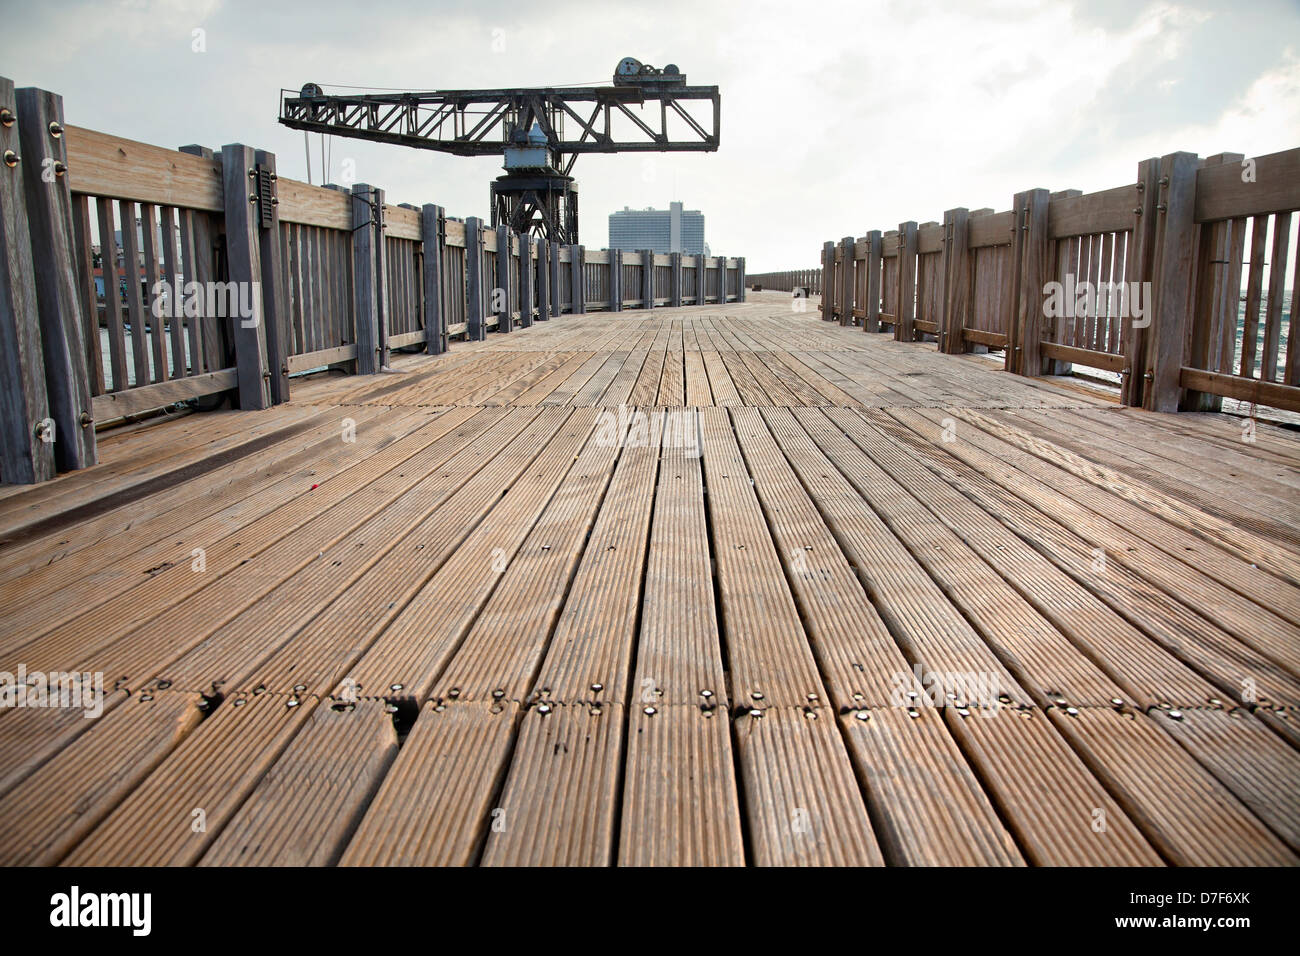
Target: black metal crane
(540,132)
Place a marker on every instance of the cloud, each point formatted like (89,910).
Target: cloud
(836,119)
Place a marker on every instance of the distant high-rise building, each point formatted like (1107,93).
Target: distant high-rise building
(664,230)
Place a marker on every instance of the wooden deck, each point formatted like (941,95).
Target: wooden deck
(485,610)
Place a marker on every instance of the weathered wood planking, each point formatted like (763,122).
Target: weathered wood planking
(534,598)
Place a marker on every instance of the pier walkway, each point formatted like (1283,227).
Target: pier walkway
(711,585)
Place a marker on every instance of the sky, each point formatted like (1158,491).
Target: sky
(837,117)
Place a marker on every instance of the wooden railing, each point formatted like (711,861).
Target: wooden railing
(1144,280)
(138,277)
(810,280)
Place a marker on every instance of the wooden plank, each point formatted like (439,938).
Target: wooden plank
(991,230)
(1085,356)
(350,744)
(562,788)
(403,222)
(112,297)
(114,405)
(1225,191)
(367,649)
(273,810)
(127,219)
(348,498)
(94,362)
(992,339)
(773,673)
(156,316)
(1196,570)
(314,205)
(263,480)
(115,168)
(1276,293)
(1189,636)
(1145,675)
(65,797)
(680,803)
(1244,389)
(1110,210)
(310,360)
(1191,818)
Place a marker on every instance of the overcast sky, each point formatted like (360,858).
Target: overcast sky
(836,117)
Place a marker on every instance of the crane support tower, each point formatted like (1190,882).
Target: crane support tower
(539,132)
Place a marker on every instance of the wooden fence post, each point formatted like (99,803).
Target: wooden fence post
(244,264)
(1031,245)
(828,281)
(675,280)
(275,298)
(501,294)
(1171,288)
(847,291)
(525,280)
(905,307)
(616,280)
(1138,265)
(577,263)
(475,312)
(647,279)
(383,305)
(433,234)
(553,278)
(43,165)
(365,289)
(871,323)
(956,279)
(26,442)
(542,285)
